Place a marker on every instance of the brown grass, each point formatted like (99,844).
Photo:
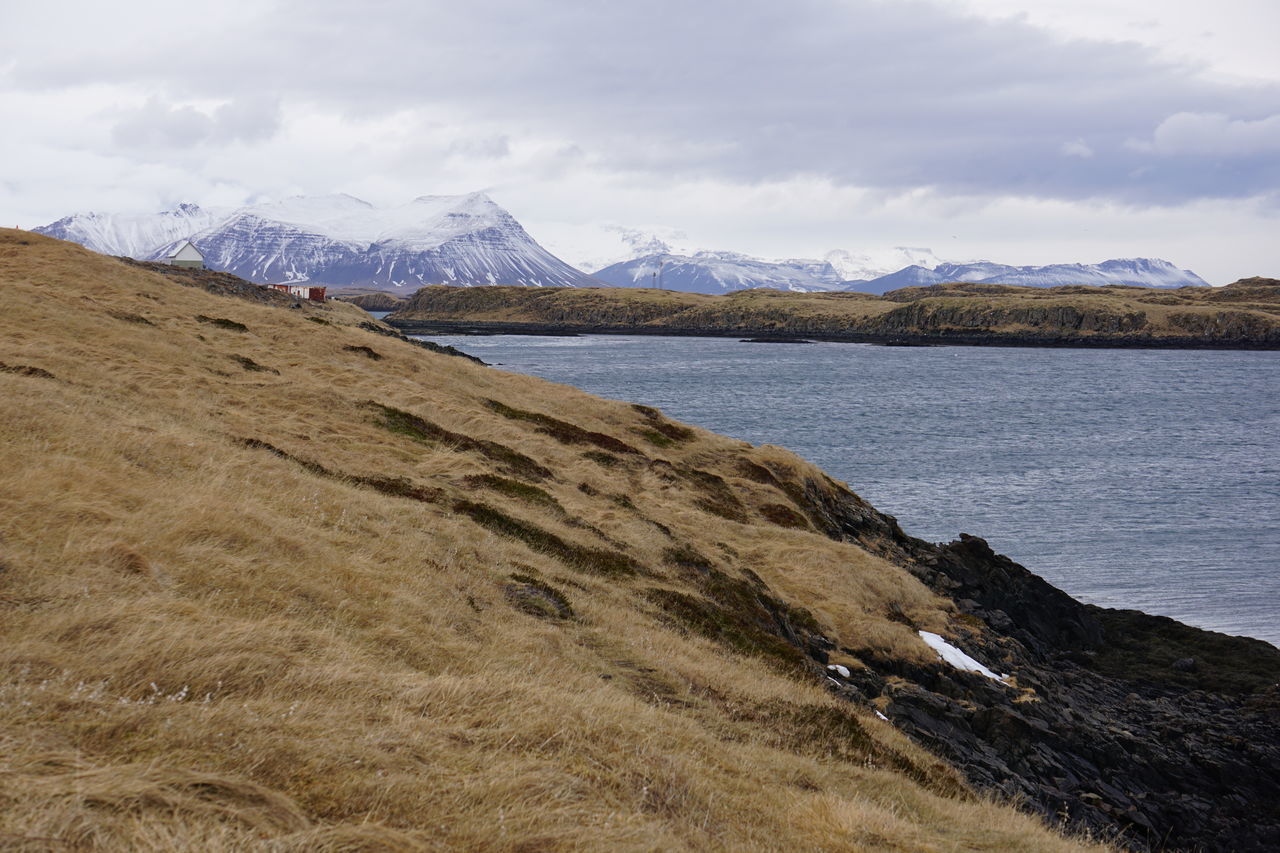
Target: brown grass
(314,641)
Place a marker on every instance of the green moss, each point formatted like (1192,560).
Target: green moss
(597,560)
(562,431)
(420,429)
(654,437)
(515,489)
(223,323)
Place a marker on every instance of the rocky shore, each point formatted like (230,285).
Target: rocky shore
(941,338)
(1138,729)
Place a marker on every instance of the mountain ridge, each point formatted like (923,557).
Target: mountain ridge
(711,272)
(340,241)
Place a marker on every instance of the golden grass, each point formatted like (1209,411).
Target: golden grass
(208,644)
(1247,310)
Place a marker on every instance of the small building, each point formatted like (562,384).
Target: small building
(302,291)
(186,256)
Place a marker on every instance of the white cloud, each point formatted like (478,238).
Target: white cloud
(1076,148)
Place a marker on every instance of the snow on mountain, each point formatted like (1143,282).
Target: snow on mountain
(1145,272)
(864,266)
(133,235)
(720,272)
(340,240)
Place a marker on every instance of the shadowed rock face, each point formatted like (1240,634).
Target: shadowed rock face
(1134,727)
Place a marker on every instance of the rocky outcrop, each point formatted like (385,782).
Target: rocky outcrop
(1135,728)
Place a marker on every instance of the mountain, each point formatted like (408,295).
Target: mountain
(720,272)
(339,240)
(1142,272)
(712,272)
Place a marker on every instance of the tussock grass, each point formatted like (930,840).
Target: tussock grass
(360,629)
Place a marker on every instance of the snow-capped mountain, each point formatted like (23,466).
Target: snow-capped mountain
(1145,272)
(865,266)
(339,240)
(720,272)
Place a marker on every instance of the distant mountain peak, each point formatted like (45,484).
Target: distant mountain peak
(340,240)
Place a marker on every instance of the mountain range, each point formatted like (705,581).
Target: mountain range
(342,241)
(338,240)
(724,272)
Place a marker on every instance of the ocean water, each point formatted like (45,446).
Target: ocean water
(1145,479)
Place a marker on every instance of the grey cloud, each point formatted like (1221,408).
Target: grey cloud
(157,125)
(886,95)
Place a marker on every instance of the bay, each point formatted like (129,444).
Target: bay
(1146,479)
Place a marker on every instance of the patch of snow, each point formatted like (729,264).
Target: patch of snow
(881,716)
(950,654)
(842,671)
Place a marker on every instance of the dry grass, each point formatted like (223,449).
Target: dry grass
(1248,310)
(296,643)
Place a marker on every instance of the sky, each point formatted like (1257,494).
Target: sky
(1014,131)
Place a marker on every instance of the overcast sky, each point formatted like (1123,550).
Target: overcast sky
(1022,132)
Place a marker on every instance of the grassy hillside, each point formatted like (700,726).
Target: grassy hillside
(1246,313)
(272,580)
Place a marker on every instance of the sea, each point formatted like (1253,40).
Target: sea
(1143,479)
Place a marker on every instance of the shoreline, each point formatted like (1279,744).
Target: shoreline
(486,328)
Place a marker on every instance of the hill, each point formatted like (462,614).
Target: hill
(274,577)
(1241,315)
(338,240)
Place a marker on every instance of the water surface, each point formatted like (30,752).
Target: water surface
(1147,479)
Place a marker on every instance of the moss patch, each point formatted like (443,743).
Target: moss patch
(223,323)
(420,429)
(516,489)
(562,431)
(367,352)
(784,516)
(596,560)
(538,598)
(717,497)
(253,366)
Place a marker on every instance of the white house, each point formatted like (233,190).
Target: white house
(186,256)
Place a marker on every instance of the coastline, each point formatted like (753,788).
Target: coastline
(969,339)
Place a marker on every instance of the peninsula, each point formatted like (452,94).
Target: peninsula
(1243,315)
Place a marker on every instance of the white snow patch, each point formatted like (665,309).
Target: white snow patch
(955,657)
(842,671)
(882,716)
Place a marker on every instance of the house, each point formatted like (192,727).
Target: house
(187,255)
(302,291)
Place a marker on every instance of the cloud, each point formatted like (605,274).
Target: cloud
(1216,135)
(157,125)
(1076,148)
